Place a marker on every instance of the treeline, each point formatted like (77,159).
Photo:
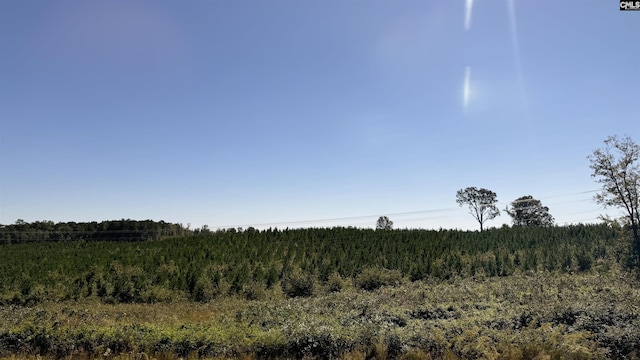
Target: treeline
(117,230)
(248,263)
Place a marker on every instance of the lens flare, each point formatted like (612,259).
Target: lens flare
(516,51)
(466,88)
(468,6)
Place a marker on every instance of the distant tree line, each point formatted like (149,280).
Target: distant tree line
(115,230)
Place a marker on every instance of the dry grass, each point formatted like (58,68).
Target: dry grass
(542,315)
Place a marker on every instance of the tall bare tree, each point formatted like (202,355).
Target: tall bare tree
(482,203)
(616,167)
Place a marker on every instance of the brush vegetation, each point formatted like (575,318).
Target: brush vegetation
(505,293)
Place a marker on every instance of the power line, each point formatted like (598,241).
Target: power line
(570,194)
(437,212)
(362,217)
(373,217)
(579,221)
(557,196)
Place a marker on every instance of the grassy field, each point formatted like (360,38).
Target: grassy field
(526,316)
(507,293)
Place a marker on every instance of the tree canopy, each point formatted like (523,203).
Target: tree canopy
(527,211)
(482,203)
(384,223)
(616,167)
(114,230)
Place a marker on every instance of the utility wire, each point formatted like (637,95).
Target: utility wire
(363,217)
(341,218)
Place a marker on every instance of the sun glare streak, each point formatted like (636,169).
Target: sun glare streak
(514,32)
(468,6)
(466,88)
(516,50)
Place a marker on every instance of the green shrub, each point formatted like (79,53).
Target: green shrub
(374,278)
(253,291)
(584,261)
(298,284)
(210,284)
(156,294)
(203,290)
(335,283)
(127,283)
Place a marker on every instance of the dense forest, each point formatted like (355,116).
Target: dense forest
(132,290)
(200,266)
(120,230)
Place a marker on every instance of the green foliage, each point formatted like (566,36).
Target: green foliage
(118,230)
(527,211)
(617,168)
(209,266)
(544,315)
(335,283)
(298,284)
(481,202)
(210,284)
(374,278)
(384,223)
(126,283)
(254,291)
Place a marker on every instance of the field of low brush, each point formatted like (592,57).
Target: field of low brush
(523,316)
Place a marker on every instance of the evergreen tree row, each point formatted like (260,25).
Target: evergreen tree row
(205,265)
(117,230)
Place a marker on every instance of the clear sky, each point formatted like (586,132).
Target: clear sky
(287,113)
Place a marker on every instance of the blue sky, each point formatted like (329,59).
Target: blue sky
(286,113)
